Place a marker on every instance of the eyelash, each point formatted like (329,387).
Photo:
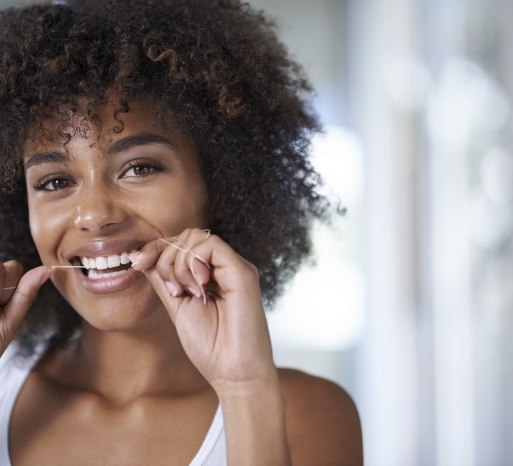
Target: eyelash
(41,185)
(153,166)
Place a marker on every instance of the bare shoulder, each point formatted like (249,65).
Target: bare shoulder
(323,425)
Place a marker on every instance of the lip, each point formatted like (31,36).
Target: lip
(106,248)
(109,284)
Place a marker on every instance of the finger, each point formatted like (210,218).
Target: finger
(26,291)
(200,271)
(200,278)
(178,277)
(219,261)
(164,265)
(183,272)
(180,243)
(165,268)
(227,268)
(10,274)
(165,262)
(189,268)
(148,255)
(173,262)
(159,285)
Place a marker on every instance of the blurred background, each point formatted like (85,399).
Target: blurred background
(407,305)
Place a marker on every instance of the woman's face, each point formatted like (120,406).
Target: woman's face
(104,195)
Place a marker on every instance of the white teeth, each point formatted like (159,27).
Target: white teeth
(113,261)
(101,263)
(93,274)
(106,262)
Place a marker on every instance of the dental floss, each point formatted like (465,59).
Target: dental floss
(51,267)
(186,249)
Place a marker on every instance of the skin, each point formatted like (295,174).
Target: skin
(142,383)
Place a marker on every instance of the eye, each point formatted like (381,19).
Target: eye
(53,184)
(140,168)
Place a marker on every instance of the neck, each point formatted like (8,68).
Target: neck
(122,366)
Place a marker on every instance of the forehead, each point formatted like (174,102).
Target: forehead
(106,127)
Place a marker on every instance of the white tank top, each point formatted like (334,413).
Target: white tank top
(13,373)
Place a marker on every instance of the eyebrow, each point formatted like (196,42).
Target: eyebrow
(140,139)
(45,157)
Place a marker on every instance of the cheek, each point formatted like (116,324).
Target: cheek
(175,207)
(44,228)
(40,235)
(186,209)
(35,223)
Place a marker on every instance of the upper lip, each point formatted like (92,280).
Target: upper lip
(106,248)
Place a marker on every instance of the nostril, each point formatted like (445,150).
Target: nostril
(98,214)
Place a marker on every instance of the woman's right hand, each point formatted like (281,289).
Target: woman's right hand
(17,293)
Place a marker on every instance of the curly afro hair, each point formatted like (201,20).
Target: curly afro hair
(217,68)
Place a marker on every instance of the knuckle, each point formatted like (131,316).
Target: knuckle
(186,233)
(164,267)
(15,267)
(214,237)
(18,268)
(25,294)
(251,271)
(11,269)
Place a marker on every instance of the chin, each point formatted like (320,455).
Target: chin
(114,313)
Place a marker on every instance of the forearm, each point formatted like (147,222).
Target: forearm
(254,417)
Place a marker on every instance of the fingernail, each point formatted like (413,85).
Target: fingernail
(172,288)
(194,291)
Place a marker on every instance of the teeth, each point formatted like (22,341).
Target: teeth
(113,261)
(106,262)
(92,273)
(101,263)
(91,263)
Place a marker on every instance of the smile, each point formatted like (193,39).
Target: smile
(106,266)
(107,262)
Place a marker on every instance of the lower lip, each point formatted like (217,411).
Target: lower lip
(109,284)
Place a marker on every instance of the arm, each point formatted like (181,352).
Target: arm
(213,297)
(225,335)
(304,421)
(255,424)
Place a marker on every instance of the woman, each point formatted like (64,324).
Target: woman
(131,130)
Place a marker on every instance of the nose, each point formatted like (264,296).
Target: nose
(97,209)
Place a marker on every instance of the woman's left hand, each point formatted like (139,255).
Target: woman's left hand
(212,295)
